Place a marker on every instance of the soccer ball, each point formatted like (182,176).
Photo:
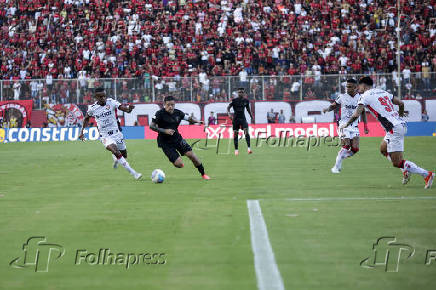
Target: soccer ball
(157,176)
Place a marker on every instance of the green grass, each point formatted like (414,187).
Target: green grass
(69,193)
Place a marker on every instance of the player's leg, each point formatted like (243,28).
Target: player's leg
(247,137)
(121,160)
(396,148)
(342,154)
(172,155)
(115,159)
(384,148)
(355,143)
(178,162)
(197,163)
(185,149)
(236,127)
(121,145)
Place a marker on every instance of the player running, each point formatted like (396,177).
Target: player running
(350,136)
(381,104)
(104,113)
(239,121)
(165,123)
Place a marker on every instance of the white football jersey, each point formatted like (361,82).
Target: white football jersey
(348,106)
(105,116)
(380,104)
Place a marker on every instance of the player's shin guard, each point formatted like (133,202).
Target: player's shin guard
(125,164)
(200,169)
(413,168)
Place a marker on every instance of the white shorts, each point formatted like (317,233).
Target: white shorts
(349,133)
(117,139)
(395,138)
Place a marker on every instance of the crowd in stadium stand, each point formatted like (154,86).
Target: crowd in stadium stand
(55,39)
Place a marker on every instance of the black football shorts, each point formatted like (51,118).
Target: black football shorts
(173,150)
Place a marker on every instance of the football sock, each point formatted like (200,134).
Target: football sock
(200,168)
(342,154)
(235,140)
(126,165)
(413,168)
(114,158)
(247,138)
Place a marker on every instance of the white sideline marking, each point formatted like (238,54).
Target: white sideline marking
(355,198)
(267,272)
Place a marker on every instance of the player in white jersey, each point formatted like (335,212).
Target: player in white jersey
(110,135)
(350,136)
(381,104)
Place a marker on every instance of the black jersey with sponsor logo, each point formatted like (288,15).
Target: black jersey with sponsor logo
(165,120)
(239,105)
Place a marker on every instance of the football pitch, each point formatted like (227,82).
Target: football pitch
(68,220)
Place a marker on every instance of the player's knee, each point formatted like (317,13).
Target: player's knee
(355,149)
(117,154)
(178,164)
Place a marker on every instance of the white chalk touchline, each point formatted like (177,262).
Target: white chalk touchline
(267,272)
(354,198)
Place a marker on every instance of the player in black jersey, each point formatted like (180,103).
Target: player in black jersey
(239,121)
(165,122)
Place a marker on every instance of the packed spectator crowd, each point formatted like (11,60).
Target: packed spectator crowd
(92,39)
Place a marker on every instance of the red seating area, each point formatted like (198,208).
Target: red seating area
(137,38)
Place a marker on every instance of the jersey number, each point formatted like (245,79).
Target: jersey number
(387,103)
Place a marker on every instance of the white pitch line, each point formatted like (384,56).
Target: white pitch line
(355,198)
(267,272)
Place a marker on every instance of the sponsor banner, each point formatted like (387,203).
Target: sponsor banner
(210,132)
(421,129)
(60,134)
(15,114)
(133,132)
(268,130)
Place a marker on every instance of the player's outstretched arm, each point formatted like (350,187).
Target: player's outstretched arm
(126,108)
(330,108)
(400,104)
(192,120)
(85,124)
(249,112)
(365,124)
(154,127)
(356,114)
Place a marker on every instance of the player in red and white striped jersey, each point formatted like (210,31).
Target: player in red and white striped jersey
(381,104)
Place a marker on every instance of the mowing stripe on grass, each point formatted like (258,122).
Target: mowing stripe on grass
(354,198)
(267,272)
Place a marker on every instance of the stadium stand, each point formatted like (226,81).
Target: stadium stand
(92,39)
